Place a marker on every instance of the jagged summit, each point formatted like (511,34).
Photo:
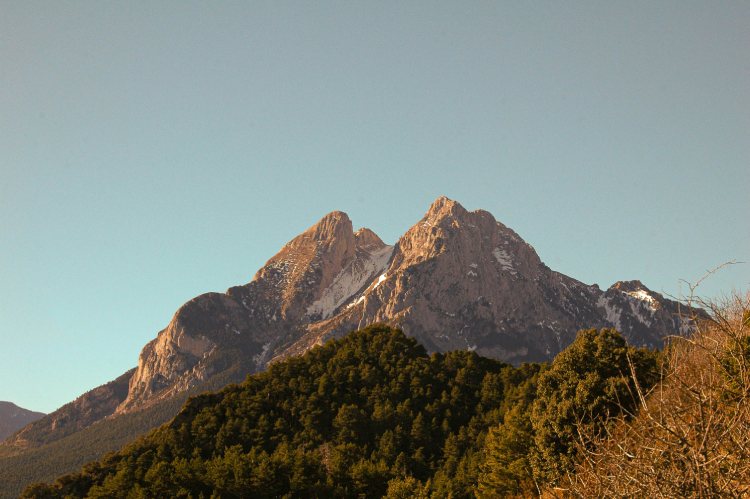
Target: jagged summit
(447,213)
(334,224)
(460,279)
(630,286)
(367,239)
(467,237)
(443,206)
(636,289)
(331,234)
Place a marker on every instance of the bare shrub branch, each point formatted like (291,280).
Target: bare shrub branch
(691,436)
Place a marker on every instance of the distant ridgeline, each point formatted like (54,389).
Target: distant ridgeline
(13,418)
(373,414)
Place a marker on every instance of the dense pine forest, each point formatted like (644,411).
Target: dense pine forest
(373,415)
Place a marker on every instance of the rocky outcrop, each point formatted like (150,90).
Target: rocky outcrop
(180,356)
(308,279)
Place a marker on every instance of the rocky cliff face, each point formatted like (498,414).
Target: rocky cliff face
(455,280)
(13,418)
(308,279)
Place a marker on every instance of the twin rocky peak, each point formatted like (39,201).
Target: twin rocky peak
(455,280)
(450,281)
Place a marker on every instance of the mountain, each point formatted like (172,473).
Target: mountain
(455,280)
(13,418)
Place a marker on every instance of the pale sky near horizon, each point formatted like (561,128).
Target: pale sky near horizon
(153,151)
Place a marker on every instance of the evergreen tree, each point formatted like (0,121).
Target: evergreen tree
(586,383)
(506,469)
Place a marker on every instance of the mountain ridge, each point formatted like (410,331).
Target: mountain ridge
(455,280)
(13,418)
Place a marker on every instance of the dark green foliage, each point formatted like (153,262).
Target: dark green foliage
(506,468)
(366,415)
(587,383)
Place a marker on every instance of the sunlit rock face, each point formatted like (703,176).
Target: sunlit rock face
(308,280)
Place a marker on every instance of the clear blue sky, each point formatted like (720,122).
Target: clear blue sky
(152,151)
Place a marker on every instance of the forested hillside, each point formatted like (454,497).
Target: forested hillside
(372,414)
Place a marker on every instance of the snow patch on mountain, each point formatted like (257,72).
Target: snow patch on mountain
(356,302)
(613,313)
(643,296)
(380,279)
(350,280)
(260,358)
(637,307)
(504,259)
